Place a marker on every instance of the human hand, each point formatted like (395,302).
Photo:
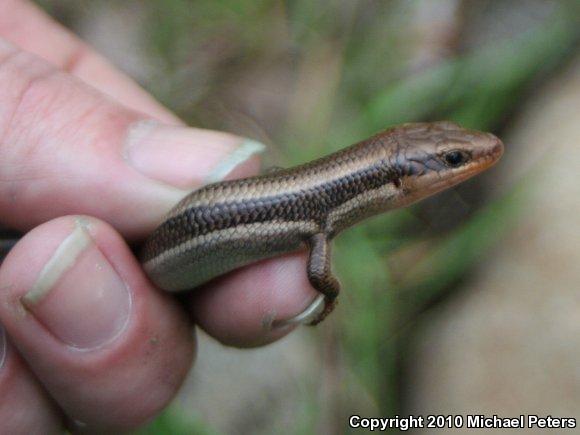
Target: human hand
(87,161)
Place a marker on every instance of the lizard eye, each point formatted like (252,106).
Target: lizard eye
(455,158)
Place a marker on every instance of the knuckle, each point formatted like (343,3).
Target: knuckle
(24,97)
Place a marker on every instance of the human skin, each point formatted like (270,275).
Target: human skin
(89,161)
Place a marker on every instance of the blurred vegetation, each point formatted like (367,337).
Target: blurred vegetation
(311,77)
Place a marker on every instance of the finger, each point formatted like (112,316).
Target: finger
(243,308)
(31,29)
(67,149)
(108,162)
(25,407)
(109,348)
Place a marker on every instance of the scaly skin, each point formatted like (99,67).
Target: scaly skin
(227,225)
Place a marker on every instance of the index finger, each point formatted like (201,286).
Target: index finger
(67,149)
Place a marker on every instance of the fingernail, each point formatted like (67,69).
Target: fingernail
(2,346)
(185,157)
(78,295)
(314,309)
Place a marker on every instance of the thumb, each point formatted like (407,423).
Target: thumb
(67,149)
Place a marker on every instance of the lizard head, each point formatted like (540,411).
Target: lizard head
(431,157)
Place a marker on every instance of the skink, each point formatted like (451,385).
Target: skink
(223,226)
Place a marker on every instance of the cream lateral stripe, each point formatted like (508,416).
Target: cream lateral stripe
(362,201)
(61,261)
(230,234)
(315,177)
